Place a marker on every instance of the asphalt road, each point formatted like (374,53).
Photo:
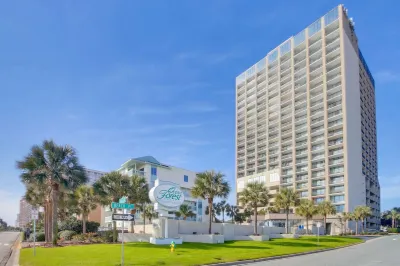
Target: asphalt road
(383,251)
(7,239)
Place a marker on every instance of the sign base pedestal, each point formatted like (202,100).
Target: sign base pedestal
(165,241)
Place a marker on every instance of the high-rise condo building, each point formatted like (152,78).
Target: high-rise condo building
(305,119)
(25,212)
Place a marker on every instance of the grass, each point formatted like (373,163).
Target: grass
(186,254)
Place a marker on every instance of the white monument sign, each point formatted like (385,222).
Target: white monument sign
(167,197)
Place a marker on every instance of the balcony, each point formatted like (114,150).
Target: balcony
(317,166)
(301,185)
(335,142)
(318,183)
(335,123)
(316,46)
(336,189)
(317,139)
(318,174)
(334,106)
(301,177)
(318,192)
(337,180)
(336,152)
(336,161)
(336,170)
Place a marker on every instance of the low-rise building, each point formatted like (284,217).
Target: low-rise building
(151,169)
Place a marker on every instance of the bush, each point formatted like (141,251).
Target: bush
(39,237)
(393,230)
(79,238)
(66,235)
(106,236)
(72,224)
(89,237)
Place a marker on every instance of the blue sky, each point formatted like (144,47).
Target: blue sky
(121,79)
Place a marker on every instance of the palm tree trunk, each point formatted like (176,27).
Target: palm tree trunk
(362,225)
(392,222)
(144,220)
(223,216)
(307,226)
(210,218)
(132,223)
(325,224)
(114,227)
(46,222)
(84,223)
(255,221)
(54,231)
(287,221)
(356,227)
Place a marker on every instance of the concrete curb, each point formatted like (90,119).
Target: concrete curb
(14,258)
(240,262)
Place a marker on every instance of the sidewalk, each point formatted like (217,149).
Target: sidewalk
(14,258)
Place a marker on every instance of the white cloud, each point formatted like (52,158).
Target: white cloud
(387,76)
(9,206)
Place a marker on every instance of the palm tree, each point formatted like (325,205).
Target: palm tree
(223,207)
(326,208)
(86,201)
(286,199)
(356,216)
(110,188)
(253,196)
(307,210)
(57,168)
(363,213)
(185,211)
(392,215)
(209,185)
(214,211)
(346,216)
(138,193)
(149,213)
(232,212)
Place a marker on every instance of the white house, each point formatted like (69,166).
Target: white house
(152,169)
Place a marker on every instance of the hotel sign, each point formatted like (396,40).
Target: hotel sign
(167,194)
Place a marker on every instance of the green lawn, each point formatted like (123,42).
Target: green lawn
(186,254)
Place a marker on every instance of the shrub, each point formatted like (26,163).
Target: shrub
(39,237)
(107,236)
(66,235)
(393,230)
(72,224)
(78,238)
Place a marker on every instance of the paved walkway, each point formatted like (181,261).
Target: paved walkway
(383,251)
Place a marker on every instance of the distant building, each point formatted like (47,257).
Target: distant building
(94,175)
(25,211)
(17,221)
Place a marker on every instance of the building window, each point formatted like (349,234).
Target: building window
(339,208)
(154,171)
(185,178)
